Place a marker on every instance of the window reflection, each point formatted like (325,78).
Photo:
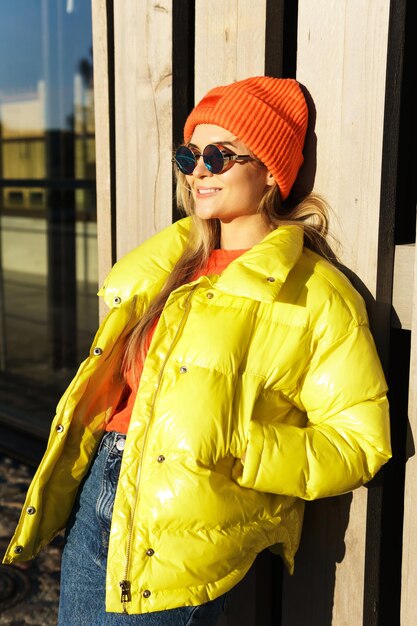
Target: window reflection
(48,274)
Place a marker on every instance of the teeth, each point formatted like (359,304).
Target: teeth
(207,190)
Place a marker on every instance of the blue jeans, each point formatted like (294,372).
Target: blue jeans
(84,559)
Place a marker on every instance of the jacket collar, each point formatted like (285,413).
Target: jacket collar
(258,274)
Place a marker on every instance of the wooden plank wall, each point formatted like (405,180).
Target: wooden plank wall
(143,127)
(348,41)
(230,47)
(341,59)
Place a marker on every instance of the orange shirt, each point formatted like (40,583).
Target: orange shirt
(217,262)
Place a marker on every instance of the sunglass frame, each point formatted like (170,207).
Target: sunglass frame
(194,155)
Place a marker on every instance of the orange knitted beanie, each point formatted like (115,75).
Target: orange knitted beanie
(269,115)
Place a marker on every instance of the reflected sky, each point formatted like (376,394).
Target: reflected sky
(44,40)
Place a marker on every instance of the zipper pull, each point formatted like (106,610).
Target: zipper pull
(125,586)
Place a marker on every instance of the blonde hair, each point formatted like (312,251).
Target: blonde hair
(311,212)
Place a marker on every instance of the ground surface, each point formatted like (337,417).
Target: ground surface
(29,593)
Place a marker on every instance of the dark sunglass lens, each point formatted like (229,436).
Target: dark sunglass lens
(213,159)
(185,159)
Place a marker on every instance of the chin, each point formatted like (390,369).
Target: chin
(206,213)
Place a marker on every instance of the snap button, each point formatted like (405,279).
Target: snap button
(150,552)
(97,351)
(30,510)
(270,279)
(117,300)
(18,550)
(183,369)
(161,458)
(210,295)
(146,593)
(120,444)
(59,428)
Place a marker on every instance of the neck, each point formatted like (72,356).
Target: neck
(243,233)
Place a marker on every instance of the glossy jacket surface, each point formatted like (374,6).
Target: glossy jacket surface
(273,357)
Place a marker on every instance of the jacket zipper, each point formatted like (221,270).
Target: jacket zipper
(126,595)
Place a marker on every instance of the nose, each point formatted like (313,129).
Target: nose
(200,168)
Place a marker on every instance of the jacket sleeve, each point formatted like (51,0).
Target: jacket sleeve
(346,439)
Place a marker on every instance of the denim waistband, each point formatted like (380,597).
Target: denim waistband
(110,441)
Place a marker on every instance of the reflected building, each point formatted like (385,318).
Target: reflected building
(48,235)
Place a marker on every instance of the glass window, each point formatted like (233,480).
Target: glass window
(48,243)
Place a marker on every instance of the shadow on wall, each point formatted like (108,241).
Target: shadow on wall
(308,595)
(304,182)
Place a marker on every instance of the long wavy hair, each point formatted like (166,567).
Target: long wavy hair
(310,211)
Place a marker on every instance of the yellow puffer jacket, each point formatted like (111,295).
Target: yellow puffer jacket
(273,357)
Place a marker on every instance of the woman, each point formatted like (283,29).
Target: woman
(234,378)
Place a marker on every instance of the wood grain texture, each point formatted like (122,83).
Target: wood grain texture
(102,124)
(230,42)
(143,80)
(402,297)
(347,40)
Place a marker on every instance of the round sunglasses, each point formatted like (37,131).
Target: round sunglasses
(216,158)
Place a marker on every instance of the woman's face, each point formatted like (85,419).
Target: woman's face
(234,194)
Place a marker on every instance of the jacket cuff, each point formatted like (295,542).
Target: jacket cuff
(253,457)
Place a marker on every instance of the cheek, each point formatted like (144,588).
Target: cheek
(253,188)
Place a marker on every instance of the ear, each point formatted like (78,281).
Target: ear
(270,180)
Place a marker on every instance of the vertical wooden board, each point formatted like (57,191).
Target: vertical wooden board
(143,81)
(347,40)
(230,42)
(402,302)
(409,560)
(324,559)
(349,580)
(102,138)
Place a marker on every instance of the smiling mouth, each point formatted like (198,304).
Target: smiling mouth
(207,191)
